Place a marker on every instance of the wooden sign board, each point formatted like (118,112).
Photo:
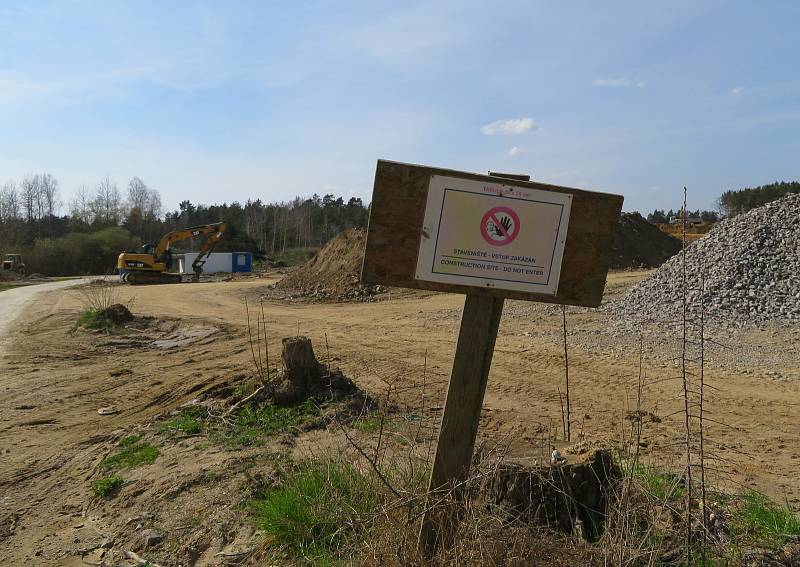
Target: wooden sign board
(445,230)
(488,237)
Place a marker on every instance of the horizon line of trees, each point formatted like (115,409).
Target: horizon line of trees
(102,222)
(734,202)
(737,201)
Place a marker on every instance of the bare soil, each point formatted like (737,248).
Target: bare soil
(52,383)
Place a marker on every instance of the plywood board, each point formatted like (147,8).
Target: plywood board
(398,233)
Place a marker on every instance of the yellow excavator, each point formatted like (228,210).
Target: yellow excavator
(150,266)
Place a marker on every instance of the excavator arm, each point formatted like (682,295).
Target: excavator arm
(215,229)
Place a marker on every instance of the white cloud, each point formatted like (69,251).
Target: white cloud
(515,151)
(620,82)
(736,90)
(513,126)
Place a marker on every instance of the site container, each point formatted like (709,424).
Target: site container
(217,262)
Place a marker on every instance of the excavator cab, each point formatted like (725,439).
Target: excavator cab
(152,264)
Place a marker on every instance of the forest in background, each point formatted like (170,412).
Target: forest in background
(86,234)
(101,222)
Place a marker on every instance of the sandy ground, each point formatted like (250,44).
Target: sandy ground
(52,383)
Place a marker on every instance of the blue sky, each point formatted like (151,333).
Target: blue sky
(217,101)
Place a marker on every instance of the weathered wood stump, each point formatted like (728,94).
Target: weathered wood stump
(304,377)
(572,498)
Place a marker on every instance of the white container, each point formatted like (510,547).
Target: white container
(216,262)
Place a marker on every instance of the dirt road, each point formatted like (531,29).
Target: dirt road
(52,439)
(13,301)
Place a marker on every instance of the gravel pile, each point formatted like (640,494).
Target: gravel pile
(751,265)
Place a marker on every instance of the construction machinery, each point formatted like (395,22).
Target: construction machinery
(14,263)
(150,266)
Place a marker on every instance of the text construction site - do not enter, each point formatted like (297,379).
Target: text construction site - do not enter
(493,235)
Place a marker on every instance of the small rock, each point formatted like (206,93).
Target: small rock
(152,538)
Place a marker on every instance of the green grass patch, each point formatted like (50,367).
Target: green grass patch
(369,422)
(763,522)
(251,424)
(317,510)
(188,421)
(658,484)
(107,486)
(93,319)
(132,454)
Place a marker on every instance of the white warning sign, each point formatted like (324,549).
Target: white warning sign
(493,235)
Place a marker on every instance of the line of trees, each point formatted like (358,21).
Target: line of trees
(101,222)
(736,202)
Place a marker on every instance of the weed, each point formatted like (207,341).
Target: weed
(132,455)
(107,486)
(188,421)
(318,509)
(763,522)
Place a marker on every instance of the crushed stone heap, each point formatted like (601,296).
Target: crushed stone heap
(751,265)
(641,244)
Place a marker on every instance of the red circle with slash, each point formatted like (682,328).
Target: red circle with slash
(500,226)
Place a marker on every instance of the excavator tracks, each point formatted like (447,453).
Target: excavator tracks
(149,278)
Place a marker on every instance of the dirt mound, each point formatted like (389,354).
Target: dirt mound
(117,314)
(334,272)
(640,244)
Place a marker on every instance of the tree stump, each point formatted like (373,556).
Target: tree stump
(572,498)
(304,377)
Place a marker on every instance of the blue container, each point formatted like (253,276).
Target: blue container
(241,261)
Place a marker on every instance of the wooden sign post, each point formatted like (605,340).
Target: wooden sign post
(489,237)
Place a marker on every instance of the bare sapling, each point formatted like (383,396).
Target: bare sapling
(567,432)
(685,383)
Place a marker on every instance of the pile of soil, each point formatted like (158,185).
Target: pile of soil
(334,273)
(641,244)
